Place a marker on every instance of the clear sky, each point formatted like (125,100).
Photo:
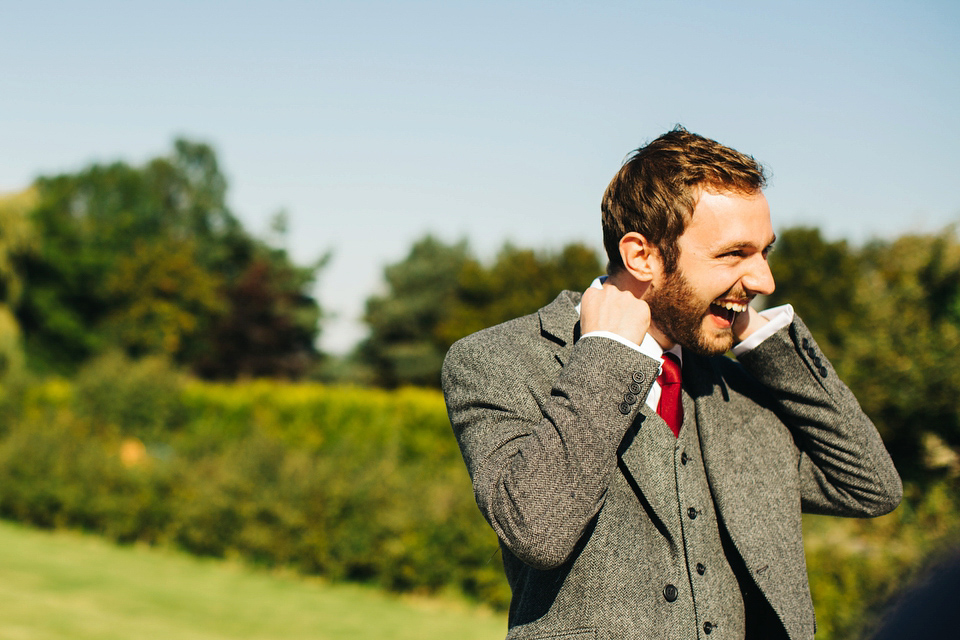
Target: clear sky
(373,123)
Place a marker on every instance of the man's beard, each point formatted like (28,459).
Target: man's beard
(678,313)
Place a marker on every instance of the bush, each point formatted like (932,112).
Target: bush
(348,483)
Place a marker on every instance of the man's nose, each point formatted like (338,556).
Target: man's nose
(758,279)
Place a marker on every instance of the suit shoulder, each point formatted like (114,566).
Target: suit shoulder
(492,341)
(522,340)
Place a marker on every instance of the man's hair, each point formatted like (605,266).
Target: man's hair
(658,186)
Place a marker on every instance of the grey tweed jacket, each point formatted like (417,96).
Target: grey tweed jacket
(564,472)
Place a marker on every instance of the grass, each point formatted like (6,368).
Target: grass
(63,585)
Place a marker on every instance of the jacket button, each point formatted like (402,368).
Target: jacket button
(629,398)
(823,372)
(635,388)
(805,343)
(692,513)
(624,408)
(684,458)
(708,627)
(670,593)
(701,569)
(638,376)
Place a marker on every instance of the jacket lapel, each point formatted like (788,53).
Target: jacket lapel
(741,486)
(646,452)
(560,324)
(647,456)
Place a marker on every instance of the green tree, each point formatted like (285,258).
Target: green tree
(519,282)
(903,358)
(149,259)
(819,278)
(440,293)
(17,240)
(403,346)
(888,317)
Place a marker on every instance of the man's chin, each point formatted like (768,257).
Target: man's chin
(710,343)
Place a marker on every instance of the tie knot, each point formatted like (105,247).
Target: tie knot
(670,371)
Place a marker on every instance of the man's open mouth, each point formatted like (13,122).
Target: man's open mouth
(726,311)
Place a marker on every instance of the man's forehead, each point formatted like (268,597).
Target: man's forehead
(730,219)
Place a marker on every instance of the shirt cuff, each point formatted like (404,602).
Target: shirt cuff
(778,318)
(612,336)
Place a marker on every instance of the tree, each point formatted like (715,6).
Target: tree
(149,259)
(17,240)
(820,279)
(519,282)
(888,317)
(270,325)
(440,293)
(404,346)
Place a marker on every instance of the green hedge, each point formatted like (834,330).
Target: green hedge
(352,484)
(347,483)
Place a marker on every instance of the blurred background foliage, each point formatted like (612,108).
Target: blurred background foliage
(160,382)
(151,261)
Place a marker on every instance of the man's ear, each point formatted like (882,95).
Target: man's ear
(640,257)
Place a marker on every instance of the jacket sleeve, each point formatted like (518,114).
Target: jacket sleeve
(844,468)
(540,440)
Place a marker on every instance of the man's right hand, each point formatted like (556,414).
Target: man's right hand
(615,310)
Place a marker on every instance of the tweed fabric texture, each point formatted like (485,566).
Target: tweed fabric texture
(569,476)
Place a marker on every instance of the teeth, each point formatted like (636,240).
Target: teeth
(733,306)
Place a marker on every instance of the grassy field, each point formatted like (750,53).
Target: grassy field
(60,585)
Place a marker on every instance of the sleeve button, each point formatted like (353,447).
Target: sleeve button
(635,388)
(638,376)
(624,408)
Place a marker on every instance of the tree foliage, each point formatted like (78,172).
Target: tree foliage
(440,293)
(151,260)
(18,240)
(888,316)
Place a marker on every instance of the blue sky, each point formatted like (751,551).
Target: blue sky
(373,123)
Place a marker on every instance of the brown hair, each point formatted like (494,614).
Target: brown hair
(657,188)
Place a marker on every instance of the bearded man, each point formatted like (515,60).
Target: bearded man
(643,484)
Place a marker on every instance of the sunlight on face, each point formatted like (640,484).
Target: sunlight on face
(722,267)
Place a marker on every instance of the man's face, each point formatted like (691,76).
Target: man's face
(722,266)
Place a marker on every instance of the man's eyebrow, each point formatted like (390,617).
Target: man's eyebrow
(737,246)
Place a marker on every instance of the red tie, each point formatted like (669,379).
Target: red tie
(670,407)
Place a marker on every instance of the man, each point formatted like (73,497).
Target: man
(625,506)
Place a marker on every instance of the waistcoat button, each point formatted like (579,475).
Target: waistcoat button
(692,513)
(701,569)
(708,627)
(670,593)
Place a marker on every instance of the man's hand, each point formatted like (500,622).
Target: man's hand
(615,310)
(746,323)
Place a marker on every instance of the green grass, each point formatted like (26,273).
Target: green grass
(62,585)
